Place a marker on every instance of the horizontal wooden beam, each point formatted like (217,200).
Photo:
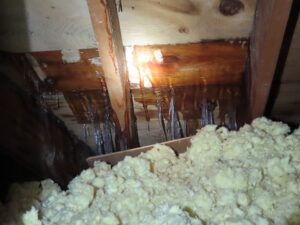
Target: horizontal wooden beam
(192,64)
(183,65)
(59,75)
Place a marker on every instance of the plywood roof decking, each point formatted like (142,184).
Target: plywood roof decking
(155,22)
(34,25)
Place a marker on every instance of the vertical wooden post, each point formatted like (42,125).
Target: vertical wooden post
(266,40)
(106,26)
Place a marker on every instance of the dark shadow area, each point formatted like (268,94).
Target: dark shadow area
(12,171)
(287,40)
(14,31)
(34,143)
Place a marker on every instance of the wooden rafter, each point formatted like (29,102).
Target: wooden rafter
(106,27)
(269,27)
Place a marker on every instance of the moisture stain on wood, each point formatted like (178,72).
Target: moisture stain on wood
(208,63)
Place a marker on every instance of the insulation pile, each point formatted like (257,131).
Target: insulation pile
(227,178)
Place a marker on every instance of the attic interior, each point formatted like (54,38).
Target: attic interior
(95,77)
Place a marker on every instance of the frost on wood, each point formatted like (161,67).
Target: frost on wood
(250,176)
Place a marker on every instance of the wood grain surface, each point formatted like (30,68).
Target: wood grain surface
(266,40)
(195,64)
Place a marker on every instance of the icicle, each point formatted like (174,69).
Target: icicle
(85,133)
(232,118)
(186,130)
(146,111)
(222,106)
(57,101)
(178,127)
(232,124)
(98,139)
(174,123)
(204,114)
(108,142)
(161,119)
(148,125)
(92,117)
(172,118)
(211,105)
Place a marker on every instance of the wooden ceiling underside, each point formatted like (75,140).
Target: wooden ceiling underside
(34,25)
(169,45)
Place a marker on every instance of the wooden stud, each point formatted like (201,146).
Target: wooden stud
(106,27)
(269,27)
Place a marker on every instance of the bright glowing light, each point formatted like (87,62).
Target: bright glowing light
(147,82)
(158,56)
(144,57)
(133,73)
(138,65)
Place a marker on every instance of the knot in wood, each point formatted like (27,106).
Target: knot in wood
(230,7)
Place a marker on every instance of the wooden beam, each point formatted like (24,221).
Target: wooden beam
(184,64)
(194,64)
(58,75)
(266,40)
(106,26)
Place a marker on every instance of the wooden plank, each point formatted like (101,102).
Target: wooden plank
(187,64)
(269,27)
(49,25)
(34,25)
(108,35)
(179,146)
(192,64)
(153,22)
(84,74)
